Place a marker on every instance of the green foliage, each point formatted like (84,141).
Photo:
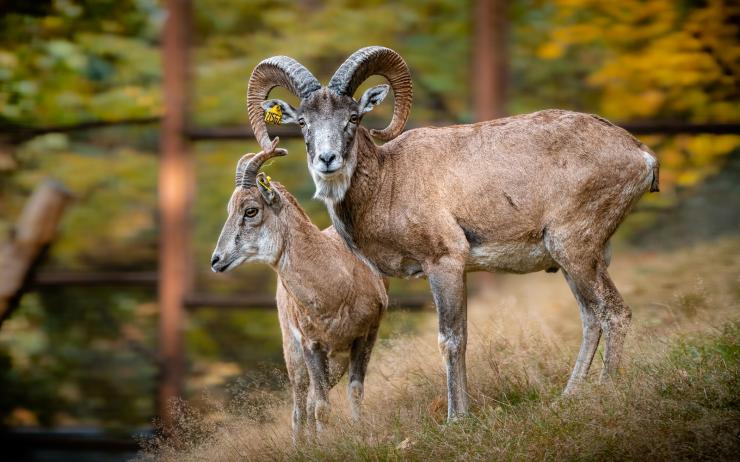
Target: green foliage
(74,62)
(68,61)
(71,348)
(26,393)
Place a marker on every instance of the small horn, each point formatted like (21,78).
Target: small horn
(378,61)
(249,165)
(278,71)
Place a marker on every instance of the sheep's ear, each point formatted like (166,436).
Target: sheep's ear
(266,189)
(372,97)
(283,114)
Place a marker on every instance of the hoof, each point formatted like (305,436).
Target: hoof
(356,392)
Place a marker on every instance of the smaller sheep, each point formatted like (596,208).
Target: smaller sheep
(329,302)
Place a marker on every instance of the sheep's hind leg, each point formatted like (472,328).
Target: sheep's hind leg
(600,303)
(591,335)
(318,405)
(359,358)
(616,318)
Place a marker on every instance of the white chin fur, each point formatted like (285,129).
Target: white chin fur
(334,187)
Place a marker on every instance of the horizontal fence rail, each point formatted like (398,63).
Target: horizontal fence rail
(23,443)
(193,301)
(637,128)
(20,133)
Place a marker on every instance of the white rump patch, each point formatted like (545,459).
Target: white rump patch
(649,159)
(651,162)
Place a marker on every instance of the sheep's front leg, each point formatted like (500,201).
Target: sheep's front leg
(300,381)
(447,281)
(359,358)
(318,371)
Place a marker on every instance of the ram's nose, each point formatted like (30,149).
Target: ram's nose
(327,158)
(214,262)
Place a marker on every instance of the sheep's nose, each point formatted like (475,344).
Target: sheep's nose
(327,157)
(215,259)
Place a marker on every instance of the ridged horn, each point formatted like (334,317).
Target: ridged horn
(378,61)
(250,164)
(278,71)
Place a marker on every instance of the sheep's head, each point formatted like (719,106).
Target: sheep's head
(252,230)
(329,116)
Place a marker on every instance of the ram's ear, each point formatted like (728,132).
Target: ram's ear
(372,97)
(288,114)
(267,190)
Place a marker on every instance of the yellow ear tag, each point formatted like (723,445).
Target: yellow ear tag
(274,115)
(265,182)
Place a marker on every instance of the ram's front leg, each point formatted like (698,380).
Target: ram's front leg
(318,371)
(359,358)
(447,281)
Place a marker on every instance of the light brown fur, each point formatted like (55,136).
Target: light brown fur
(507,183)
(526,193)
(329,303)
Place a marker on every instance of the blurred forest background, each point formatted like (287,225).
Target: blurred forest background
(82,356)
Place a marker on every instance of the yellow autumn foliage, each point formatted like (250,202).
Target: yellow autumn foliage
(660,59)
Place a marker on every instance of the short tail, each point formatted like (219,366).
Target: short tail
(652,161)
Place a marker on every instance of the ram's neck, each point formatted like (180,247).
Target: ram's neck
(366,177)
(361,193)
(306,259)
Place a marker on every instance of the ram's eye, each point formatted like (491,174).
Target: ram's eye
(302,122)
(354,118)
(251,212)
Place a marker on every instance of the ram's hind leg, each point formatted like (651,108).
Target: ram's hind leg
(616,318)
(590,341)
(600,303)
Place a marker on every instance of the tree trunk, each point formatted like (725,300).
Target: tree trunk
(35,230)
(490,59)
(176,186)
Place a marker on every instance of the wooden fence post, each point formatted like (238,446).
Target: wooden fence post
(35,230)
(176,185)
(490,58)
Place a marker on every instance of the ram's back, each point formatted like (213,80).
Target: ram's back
(533,164)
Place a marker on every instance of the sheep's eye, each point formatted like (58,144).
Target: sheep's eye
(301,122)
(354,118)
(251,212)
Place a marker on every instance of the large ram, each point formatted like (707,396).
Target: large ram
(541,191)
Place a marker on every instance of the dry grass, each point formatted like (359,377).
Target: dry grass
(678,397)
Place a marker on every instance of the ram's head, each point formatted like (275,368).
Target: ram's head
(252,231)
(330,116)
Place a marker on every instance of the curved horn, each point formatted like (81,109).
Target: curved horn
(378,61)
(277,71)
(249,165)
